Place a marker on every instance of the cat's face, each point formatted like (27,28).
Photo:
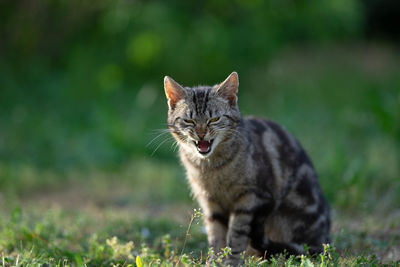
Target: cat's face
(201,118)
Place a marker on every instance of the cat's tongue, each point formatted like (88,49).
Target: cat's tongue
(203,146)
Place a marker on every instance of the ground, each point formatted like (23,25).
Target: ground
(98,221)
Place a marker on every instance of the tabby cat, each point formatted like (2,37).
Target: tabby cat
(255,183)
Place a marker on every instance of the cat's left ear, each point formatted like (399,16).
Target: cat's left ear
(229,88)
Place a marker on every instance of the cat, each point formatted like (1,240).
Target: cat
(256,185)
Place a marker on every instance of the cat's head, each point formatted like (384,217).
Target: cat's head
(201,118)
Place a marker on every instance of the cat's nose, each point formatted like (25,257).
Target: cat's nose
(201,132)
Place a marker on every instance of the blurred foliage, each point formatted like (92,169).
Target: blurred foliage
(380,19)
(81,86)
(81,81)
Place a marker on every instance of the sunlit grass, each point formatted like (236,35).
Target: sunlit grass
(57,237)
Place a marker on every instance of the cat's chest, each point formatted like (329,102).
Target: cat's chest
(222,186)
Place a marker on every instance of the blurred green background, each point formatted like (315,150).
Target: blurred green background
(81,90)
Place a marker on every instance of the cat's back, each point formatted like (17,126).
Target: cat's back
(286,171)
(278,155)
(272,138)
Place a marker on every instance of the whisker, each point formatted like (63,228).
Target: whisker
(164,131)
(158,130)
(175,146)
(159,145)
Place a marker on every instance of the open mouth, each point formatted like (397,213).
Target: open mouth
(204,146)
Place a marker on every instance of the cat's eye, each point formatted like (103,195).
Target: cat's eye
(215,119)
(190,121)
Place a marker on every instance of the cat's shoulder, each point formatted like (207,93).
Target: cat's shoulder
(260,124)
(272,131)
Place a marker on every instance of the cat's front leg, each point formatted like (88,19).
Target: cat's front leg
(246,220)
(238,236)
(216,224)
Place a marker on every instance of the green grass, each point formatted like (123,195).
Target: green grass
(94,237)
(341,101)
(109,217)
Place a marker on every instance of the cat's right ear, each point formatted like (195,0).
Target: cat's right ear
(174,91)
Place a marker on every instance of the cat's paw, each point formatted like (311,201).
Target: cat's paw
(233,261)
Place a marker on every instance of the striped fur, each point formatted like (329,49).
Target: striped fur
(257,186)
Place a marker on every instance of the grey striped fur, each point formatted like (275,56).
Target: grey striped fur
(257,187)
